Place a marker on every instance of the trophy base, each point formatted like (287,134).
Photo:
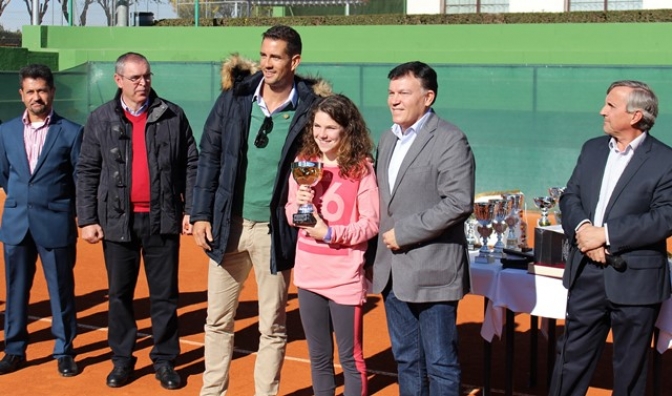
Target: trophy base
(304,219)
(482,259)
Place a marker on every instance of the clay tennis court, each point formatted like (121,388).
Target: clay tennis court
(40,377)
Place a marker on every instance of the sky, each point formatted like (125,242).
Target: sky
(16,14)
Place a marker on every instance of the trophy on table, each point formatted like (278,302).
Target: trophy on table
(544,203)
(470,232)
(306,173)
(514,204)
(499,212)
(484,212)
(555,193)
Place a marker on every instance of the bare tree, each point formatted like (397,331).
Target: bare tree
(3,5)
(40,12)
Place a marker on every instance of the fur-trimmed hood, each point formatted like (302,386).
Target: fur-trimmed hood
(236,68)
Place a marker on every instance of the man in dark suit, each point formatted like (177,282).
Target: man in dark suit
(38,156)
(426,180)
(617,210)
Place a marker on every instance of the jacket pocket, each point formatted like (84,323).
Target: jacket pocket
(645,259)
(59,206)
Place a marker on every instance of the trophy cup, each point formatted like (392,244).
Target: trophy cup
(499,212)
(470,232)
(544,203)
(555,193)
(306,173)
(514,203)
(484,212)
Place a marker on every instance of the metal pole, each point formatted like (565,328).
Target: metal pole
(36,12)
(196,16)
(70,11)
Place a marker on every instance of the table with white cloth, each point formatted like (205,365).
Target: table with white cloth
(510,291)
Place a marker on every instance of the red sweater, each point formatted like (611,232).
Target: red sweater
(139,164)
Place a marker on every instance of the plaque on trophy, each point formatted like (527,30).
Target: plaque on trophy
(306,173)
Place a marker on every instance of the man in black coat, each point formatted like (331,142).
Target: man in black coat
(135,178)
(249,142)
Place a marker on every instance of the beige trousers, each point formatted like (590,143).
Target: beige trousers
(249,246)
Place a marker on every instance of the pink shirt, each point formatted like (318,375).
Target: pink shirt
(34,135)
(350,208)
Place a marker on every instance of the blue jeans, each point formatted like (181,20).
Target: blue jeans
(424,344)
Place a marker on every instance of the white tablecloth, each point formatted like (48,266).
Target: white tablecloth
(536,295)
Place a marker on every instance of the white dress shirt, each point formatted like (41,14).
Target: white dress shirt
(404,142)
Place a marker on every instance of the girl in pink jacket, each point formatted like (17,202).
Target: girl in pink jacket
(329,269)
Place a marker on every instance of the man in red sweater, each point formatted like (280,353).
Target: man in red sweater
(135,179)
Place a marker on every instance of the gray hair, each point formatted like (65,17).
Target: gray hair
(129,56)
(642,98)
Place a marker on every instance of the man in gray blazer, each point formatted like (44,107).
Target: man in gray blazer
(617,211)
(426,180)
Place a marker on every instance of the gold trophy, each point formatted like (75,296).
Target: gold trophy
(306,173)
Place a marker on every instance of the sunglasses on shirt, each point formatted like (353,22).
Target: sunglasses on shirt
(261,141)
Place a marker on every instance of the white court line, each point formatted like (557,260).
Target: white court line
(246,352)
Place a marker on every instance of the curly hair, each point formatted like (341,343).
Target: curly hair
(356,144)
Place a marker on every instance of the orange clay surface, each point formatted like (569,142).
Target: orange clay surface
(40,377)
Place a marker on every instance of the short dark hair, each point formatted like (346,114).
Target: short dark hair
(128,56)
(419,70)
(286,34)
(36,71)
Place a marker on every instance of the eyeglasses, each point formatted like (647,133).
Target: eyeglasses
(136,79)
(261,141)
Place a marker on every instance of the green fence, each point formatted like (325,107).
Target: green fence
(526,124)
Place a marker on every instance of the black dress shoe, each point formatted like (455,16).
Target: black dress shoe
(168,377)
(119,376)
(67,366)
(11,363)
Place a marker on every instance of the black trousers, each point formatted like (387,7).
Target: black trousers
(590,316)
(122,260)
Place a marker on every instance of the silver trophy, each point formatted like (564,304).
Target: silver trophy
(306,173)
(544,203)
(514,204)
(484,212)
(499,212)
(470,232)
(555,193)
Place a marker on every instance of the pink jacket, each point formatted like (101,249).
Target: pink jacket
(351,209)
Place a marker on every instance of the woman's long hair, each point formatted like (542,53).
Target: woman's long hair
(356,144)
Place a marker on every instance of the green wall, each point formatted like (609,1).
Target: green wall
(527,96)
(552,44)
(16,58)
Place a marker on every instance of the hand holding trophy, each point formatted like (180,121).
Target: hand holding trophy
(306,173)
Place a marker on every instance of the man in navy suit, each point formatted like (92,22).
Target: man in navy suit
(38,155)
(617,211)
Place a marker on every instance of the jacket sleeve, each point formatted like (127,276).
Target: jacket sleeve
(207,175)
(75,152)
(88,172)
(571,205)
(4,163)
(368,214)
(190,161)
